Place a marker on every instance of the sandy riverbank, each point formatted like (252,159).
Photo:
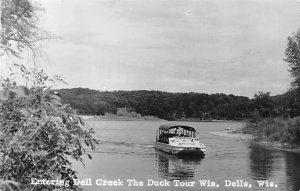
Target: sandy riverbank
(275,145)
(237,136)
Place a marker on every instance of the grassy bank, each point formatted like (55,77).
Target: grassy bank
(285,131)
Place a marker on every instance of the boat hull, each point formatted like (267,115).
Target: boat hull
(179,150)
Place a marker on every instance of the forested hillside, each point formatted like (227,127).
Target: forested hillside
(173,105)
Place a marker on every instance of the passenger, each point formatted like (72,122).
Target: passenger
(162,137)
(176,134)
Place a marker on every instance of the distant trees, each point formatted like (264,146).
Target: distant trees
(174,106)
(164,105)
(263,105)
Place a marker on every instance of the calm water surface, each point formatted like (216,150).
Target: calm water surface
(126,152)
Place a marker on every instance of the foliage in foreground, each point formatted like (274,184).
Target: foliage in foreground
(276,129)
(39,135)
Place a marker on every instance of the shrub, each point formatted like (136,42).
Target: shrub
(39,135)
(276,129)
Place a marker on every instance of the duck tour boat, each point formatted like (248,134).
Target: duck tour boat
(178,140)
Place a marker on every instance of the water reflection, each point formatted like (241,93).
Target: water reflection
(261,162)
(271,163)
(172,167)
(292,171)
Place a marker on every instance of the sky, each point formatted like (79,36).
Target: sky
(206,46)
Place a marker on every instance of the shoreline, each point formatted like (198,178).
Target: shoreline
(249,138)
(113,117)
(119,118)
(210,120)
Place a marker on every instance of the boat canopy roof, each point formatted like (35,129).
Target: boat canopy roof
(168,127)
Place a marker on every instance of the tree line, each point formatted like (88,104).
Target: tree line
(173,106)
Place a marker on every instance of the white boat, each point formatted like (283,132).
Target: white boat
(179,140)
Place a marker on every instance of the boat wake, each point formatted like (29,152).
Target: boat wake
(123,147)
(126,144)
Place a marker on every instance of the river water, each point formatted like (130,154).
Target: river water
(126,154)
